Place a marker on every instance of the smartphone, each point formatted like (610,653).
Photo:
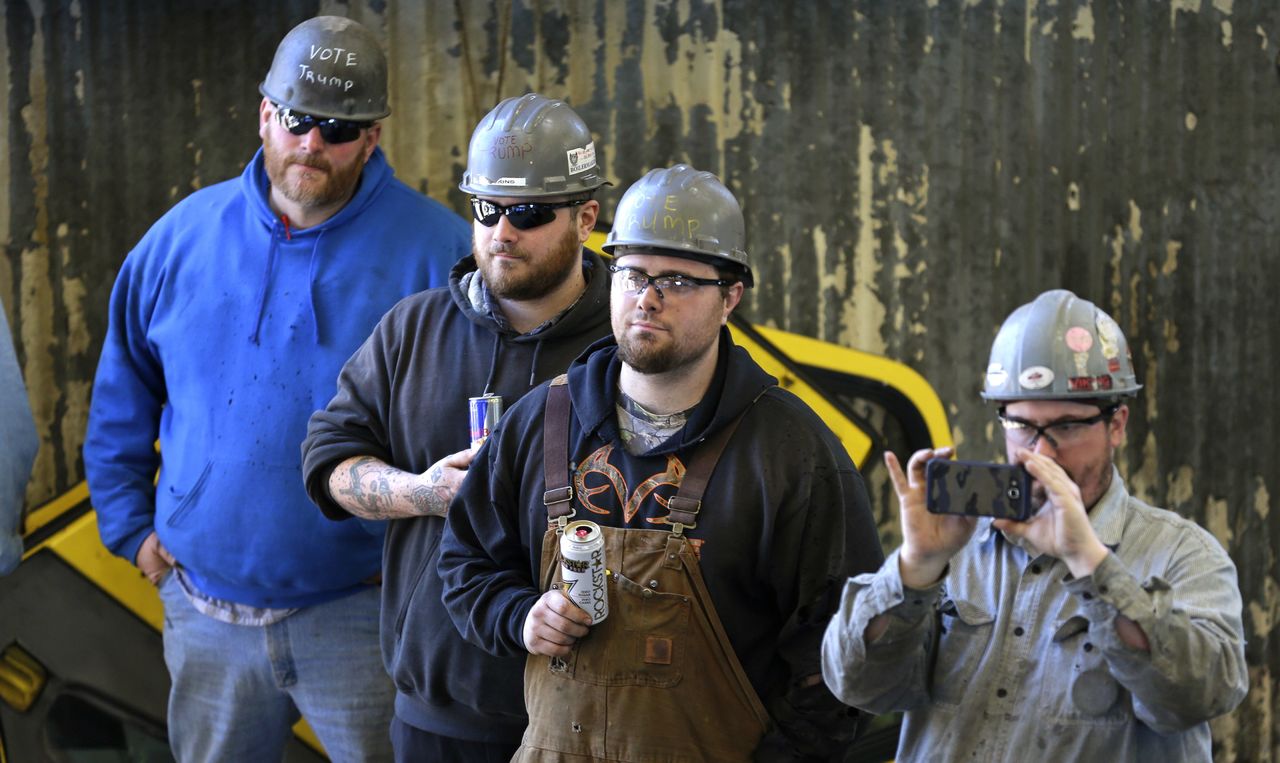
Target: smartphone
(978,488)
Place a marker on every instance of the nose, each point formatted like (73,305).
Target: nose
(504,230)
(650,299)
(1042,444)
(311,142)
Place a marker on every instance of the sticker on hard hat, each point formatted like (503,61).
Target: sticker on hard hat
(1036,377)
(996,375)
(509,181)
(1079,339)
(1089,383)
(1108,336)
(582,159)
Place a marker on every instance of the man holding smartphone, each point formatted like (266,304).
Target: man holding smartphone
(1101,628)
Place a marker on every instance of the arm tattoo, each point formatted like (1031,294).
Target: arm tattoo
(370,489)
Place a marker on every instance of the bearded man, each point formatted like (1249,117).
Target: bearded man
(1101,628)
(394,442)
(729,516)
(229,322)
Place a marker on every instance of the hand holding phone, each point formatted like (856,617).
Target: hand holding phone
(978,488)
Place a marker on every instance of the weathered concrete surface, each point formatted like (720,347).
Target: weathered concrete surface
(911,172)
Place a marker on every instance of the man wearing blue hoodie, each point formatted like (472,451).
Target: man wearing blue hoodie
(229,322)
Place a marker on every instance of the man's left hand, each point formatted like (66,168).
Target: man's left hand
(1061,528)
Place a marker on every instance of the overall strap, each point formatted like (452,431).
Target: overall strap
(687,501)
(555,454)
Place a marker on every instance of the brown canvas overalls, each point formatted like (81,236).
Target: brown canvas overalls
(658,679)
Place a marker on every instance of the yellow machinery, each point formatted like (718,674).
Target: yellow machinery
(82,672)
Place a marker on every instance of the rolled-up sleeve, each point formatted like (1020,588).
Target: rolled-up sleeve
(1191,615)
(892,672)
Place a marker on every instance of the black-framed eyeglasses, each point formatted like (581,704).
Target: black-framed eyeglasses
(634,282)
(332,130)
(522,216)
(1025,434)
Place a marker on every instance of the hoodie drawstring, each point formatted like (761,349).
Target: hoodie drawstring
(493,363)
(266,281)
(533,367)
(311,286)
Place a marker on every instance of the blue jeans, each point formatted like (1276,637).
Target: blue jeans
(237,689)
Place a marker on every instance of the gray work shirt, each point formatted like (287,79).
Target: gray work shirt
(1009,658)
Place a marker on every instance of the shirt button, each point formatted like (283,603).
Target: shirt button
(1087,596)
(1035,569)
(1088,647)
(1018,631)
(1001,693)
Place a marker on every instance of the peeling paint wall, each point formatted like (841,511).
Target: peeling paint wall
(911,172)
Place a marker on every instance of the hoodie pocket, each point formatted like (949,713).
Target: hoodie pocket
(188,499)
(963,639)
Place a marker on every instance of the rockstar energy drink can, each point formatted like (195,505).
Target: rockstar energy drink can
(582,568)
(485,412)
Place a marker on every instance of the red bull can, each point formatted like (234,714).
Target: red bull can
(485,412)
(582,568)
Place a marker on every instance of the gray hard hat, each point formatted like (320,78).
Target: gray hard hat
(531,146)
(330,66)
(687,212)
(1059,347)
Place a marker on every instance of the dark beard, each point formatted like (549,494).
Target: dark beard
(539,279)
(339,185)
(648,360)
(651,358)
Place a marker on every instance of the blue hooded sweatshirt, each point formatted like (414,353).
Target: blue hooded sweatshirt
(227,330)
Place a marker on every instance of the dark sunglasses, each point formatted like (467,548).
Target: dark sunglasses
(522,216)
(332,130)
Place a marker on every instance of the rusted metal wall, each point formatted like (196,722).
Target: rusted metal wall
(911,172)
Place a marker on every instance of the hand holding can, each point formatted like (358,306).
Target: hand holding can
(583,570)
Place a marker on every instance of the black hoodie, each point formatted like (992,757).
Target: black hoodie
(402,398)
(784,522)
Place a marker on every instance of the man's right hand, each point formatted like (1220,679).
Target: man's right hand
(928,540)
(154,559)
(554,624)
(438,485)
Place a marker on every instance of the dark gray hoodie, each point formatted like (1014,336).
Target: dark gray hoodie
(403,398)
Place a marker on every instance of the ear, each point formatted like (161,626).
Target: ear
(731,300)
(587,214)
(1119,421)
(265,113)
(371,138)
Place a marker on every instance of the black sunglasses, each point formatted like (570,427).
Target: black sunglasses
(522,216)
(332,130)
